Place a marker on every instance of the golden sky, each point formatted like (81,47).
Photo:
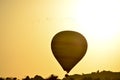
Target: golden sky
(28,26)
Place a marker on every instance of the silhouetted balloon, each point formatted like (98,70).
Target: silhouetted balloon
(68,47)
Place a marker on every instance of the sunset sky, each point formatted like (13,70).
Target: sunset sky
(28,26)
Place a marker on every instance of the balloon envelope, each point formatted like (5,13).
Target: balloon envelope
(68,47)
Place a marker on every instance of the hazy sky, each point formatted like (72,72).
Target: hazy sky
(27,27)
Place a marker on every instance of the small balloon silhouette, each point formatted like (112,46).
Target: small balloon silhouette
(68,47)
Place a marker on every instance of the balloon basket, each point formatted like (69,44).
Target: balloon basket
(66,75)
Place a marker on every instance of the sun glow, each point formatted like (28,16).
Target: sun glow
(99,22)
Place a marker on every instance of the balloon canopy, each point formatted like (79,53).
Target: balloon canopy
(68,48)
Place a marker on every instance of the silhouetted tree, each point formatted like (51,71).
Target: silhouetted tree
(8,78)
(27,78)
(98,71)
(38,78)
(14,78)
(52,77)
(1,78)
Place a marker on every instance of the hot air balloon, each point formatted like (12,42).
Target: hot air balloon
(68,48)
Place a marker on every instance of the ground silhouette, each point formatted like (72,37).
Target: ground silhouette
(103,75)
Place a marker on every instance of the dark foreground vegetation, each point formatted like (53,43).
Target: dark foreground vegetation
(104,75)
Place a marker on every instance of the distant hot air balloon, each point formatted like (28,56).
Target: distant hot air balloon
(68,47)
